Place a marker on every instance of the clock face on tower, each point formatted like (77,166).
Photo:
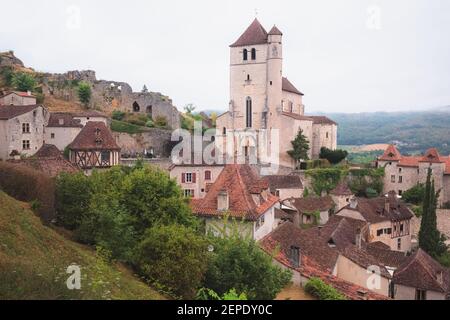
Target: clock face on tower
(275,51)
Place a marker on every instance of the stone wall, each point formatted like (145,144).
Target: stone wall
(108,96)
(157,139)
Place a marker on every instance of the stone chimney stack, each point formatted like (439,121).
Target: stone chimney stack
(358,238)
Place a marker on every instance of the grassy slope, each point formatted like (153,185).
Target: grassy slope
(34,259)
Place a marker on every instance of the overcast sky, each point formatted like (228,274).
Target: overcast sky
(345,55)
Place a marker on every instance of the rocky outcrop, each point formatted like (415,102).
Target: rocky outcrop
(8,59)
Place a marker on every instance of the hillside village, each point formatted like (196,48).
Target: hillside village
(111,182)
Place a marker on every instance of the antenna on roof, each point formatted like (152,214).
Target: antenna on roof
(256,12)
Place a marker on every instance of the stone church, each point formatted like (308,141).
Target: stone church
(262,99)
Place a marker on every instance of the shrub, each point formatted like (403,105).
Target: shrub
(333,156)
(322,291)
(174,256)
(26,184)
(161,122)
(84,93)
(414,195)
(23,81)
(118,115)
(120,126)
(149,124)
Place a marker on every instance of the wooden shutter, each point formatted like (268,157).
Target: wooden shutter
(183,177)
(194,176)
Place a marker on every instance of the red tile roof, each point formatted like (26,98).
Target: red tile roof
(431,156)
(391,154)
(322,120)
(423,272)
(289,87)
(275,31)
(314,251)
(19,93)
(284,182)
(312,204)
(255,34)
(63,120)
(94,136)
(342,189)
(243,185)
(10,112)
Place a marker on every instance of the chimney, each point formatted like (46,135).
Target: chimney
(440,278)
(353,203)
(358,238)
(387,205)
(319,229)
(29,92)
(295,257)
(362,294)
(223,201)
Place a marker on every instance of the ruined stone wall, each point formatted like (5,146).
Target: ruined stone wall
(108,96)
(157,139)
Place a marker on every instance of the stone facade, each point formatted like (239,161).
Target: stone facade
(22,134)
(404,172)
(262,100)
(18,99)
(156,142)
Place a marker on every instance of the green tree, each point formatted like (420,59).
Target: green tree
(300,148)
(84,93)
(430,239)
(24,81)
(238,263)
(319,289)
(73,195)
(333,156)
(175,257)
(208,294)
(415,195)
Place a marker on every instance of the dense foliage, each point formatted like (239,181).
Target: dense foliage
(333,156)
(84,93)
(23,81)
(238,263)
(175,257)
(325,180)
(322,291)
(415,195)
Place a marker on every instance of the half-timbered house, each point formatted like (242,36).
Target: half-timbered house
(94,147)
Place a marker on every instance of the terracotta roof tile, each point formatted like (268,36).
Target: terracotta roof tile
(391,154)
(275,31)
(94,136)
(284,182)
(423,272)
(342,189)
(289,87)
(243,186)
(322,120)
(432,156)
(10,112)
(311,204)
(48,150)
(63,120)
(255,34)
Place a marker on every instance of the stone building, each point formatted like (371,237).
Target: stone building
(17,98)
(285,186)
(94,148)
(262,100)
(404,172)
(21,130)
(238,193)
(310,210)
(341,195)
(388,220)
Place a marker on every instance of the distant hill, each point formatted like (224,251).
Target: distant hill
(34,260)
(413,132)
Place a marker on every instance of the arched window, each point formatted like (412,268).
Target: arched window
(253,54)
(249,112)
(245,54)
(248,77)
(136,107)
(291,107)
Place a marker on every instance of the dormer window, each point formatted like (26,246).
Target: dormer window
(245,55)
(223,201)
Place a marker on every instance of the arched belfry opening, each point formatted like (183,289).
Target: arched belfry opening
(136,107)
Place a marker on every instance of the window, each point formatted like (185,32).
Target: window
(25,128)
(188,193)
(277,193)
(400,170)
(249,112)
(245,53)
(400,179)
(271,82)
(328,135)
(388,231)
(291,107)
(106,155)
(248,77)
(52,136)
(393,178)
(253,54)
(26,144)
(379,232)
(421,294)
(399,244)
(189,177)
(400,192)
(207,175)
(401,228)
(224,131)
(136,107)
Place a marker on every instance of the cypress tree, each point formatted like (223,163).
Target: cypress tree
(300,148)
